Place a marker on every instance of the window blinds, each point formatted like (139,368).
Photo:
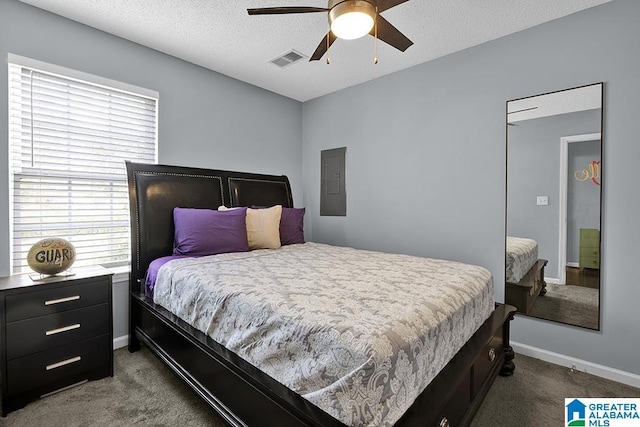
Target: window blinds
(68,141)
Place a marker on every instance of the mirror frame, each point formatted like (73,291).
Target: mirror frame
(537,271)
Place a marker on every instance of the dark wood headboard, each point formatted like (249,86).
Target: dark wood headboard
(154,190)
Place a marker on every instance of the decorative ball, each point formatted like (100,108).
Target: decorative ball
(51,256)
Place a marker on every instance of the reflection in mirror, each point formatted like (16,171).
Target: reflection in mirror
(554,152)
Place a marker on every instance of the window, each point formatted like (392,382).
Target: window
(68,139)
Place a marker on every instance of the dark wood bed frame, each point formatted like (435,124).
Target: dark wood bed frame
(523,294)
(239,392)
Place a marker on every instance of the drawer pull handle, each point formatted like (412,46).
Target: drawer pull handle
(63,363)
(63,329)
(444,422)
(492,354)
(61,300)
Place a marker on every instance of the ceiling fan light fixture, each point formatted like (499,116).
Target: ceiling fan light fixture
(351,20)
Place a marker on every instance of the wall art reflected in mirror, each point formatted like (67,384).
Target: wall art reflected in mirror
(554,184)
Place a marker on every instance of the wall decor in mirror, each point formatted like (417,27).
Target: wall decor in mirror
(554,185)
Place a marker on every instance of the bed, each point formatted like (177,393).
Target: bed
(223,377)
(524,273)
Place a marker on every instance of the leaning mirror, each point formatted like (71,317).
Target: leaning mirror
(554,182)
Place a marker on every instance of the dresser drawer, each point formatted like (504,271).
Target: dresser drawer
(56,299)
(41,333)
(590,242)
(589,262)
(488,360)
(39,370)
(456,406)
(588,251)
(589,238)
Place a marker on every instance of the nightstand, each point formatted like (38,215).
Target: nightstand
(55,333)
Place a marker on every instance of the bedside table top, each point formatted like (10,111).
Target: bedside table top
(24,280)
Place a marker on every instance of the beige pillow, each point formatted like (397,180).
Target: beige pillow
(263,227)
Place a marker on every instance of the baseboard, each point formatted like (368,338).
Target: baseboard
(573,265)
(577,364)
(120,342)
(552,280)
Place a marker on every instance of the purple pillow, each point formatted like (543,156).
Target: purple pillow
(208,232)
(291,225)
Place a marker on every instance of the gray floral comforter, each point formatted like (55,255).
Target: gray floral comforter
(360,334)
(522,254)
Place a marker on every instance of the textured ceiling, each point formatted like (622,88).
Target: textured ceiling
(221,36)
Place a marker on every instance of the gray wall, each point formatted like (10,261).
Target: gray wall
(533,169)
(425,158)
(583,201)
(205,119)
(426,161)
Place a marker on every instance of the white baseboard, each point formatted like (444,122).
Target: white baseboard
(578,364)
(120,342)
(551,280)
(573,264)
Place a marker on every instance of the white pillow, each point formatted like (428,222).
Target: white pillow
(263,227)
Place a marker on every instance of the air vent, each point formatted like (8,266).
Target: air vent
(287,58)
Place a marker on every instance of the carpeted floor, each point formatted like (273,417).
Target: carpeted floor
(143,392)
(534,395)
(575,305)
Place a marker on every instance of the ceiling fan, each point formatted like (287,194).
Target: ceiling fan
(349,19)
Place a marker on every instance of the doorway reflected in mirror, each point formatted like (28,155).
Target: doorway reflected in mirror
(554,184)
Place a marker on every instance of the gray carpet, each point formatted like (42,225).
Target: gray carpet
(143,392)
(575,305)
(534,395)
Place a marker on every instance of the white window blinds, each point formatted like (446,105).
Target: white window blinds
(68,141)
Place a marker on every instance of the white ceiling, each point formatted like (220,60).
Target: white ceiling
(221,36)
(551,104)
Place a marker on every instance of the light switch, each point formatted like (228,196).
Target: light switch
(542,201)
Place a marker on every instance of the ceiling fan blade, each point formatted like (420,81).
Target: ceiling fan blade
(283,10)
(388,4)
(322,47)
(390,34)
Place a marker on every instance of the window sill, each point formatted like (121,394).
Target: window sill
(120,273)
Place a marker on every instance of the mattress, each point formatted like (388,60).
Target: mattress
(522,254)
(358,333)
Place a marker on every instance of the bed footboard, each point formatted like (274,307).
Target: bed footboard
(455,395)
(523,294)
(244,396)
